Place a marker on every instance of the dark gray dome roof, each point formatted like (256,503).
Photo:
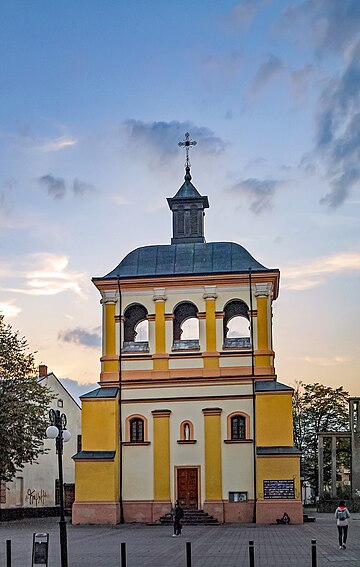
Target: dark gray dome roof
(186,259)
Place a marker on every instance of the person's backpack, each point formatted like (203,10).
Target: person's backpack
(342,515)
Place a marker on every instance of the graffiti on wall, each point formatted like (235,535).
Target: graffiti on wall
(36,497)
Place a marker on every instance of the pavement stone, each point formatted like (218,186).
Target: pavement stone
(212,546)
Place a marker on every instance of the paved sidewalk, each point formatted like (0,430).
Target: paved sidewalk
(212,546)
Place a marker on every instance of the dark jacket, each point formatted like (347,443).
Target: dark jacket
(178,513)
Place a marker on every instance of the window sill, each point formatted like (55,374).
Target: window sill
(134,444)
(229,441)
(187,441)
(190,344)
(131,347)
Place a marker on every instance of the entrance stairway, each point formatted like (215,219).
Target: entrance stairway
(191,518)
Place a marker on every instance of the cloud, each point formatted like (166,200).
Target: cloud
(55,186)
(161,138)
(267,72)
(333,25)
(309,274)
(226,66)
(327,361)
(83,337)
(300,81)
(55,144)
(48,276)
(9,310)
(80,188)
(244,12)
(120,200)
(259,192)
(77,389)
(338,131)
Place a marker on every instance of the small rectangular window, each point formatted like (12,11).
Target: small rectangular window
(78,443)
(238,496)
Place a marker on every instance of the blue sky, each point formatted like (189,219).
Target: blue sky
(95,96)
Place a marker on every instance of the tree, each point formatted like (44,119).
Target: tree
(317,408)
(24,404)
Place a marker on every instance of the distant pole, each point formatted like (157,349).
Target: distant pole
(123,554)
(8,553)
(188,554)
(313,553)
(58,431)
(253,392)
(122,518)
(251,554)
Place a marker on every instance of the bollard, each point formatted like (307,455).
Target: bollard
(188,554)
(123,554)
(313,553)
(8,553)
(251,554)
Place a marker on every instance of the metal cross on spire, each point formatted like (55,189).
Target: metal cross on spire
(186,144)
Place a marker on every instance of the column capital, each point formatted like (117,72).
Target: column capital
(263,290)
(159,294)
(161,413)
(212,411)
(109,297)
(210,292)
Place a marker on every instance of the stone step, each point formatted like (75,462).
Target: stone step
(307,518)
(191,517)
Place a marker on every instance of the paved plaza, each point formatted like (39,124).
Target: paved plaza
(212,546)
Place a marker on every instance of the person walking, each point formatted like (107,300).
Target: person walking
(178,514)
(342,515)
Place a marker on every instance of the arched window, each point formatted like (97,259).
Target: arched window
(236,325)
(238,427)
(186,327)
(135,329)
(136,430)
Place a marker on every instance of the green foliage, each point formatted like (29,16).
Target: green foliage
(318,408)
(24,404)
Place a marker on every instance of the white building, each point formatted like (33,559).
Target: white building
(35,486)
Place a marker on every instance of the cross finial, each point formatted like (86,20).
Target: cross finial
(186,144)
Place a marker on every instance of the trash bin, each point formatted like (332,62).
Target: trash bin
(40,550)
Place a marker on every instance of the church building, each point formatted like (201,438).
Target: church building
(188,405)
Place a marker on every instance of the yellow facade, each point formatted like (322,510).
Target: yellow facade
(213,469)
(161,455)
(274,419)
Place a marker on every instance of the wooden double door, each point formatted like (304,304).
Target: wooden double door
(187,487)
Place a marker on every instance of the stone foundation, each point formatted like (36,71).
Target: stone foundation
(96,513)
(267,511)
(145,511)
(238,512)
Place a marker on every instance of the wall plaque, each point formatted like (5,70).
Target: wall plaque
(279,489)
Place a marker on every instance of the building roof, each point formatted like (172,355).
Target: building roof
(278,450)
(186,259)
(188,191)
(101,393)
(271,386)
(94,455)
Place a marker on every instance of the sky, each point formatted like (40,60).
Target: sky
(95,96)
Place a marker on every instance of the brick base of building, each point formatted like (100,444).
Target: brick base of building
(268,511)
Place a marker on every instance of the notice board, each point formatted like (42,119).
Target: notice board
(279,489)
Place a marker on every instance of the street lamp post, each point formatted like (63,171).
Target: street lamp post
(57,430)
